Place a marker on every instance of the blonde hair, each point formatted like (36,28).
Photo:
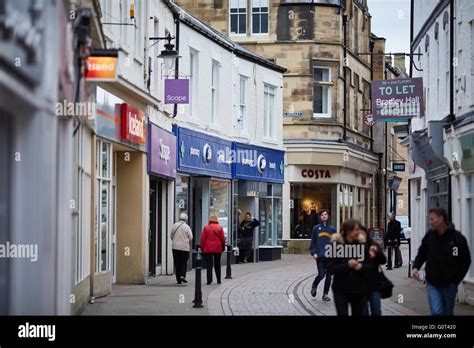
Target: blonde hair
(213,218)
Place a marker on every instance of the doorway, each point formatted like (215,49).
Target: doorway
(155,231)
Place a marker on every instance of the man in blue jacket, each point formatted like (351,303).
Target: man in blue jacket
(321,237)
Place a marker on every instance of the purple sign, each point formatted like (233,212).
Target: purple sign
(176,91)
(397,99)
(162,152)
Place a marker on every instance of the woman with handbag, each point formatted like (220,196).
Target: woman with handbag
(212,245)
(376,258)
(349,283)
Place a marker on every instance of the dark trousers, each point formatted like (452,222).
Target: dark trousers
(342,301)
(321,265)
(213,259)
(180,258)
(395,250)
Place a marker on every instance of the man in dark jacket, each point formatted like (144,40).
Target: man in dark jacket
(447,258)
(320,237)
(392,240)
(246,229)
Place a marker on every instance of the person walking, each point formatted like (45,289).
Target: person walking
(376,258)
(212,245)
(446,254)
(392,240)
(181,236)
(320,238)
(349,283)
(246,231)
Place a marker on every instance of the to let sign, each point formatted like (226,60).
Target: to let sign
(176,91)
(133,124)
(397,99)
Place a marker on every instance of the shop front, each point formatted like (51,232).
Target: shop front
(118,245)
(344,192)
(203,180)
(259,174)
(162,173)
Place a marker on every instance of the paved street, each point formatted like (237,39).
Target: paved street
(266,288)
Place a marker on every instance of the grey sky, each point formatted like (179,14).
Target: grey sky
(391,20)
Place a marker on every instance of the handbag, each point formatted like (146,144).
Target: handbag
(385,285)
(223,243)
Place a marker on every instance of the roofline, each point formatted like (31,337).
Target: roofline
(221,39)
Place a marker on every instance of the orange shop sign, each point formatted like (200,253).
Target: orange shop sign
(101,68)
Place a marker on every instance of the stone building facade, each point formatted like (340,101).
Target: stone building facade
(330,163)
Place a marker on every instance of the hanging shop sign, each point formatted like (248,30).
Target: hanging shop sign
(162,152)
(258,163)
(397,99)
(176,91)
(203,154)
(398,166)
(102,65)
(133,124)
(369,120)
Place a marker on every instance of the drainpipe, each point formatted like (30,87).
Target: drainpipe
(344,25)
(412,6)
(386,167)
(176,64)
(452,116)
(371,50)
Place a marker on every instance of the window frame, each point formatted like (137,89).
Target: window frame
(215,86)
(194,81)
(243,101)
(260,13)
(237,14)
(269,120)
(324,84)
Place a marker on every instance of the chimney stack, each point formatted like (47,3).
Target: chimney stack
(399,62)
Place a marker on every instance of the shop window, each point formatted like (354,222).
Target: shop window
(103,207)
(260,16)
(219,205)
(322,92)
(307,200)
(238,16)
(182,196)
(278,224)
(346,203)
(266,221)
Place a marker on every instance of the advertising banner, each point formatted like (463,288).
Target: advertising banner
(101,68)
(397,99)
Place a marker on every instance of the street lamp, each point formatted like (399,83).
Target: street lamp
(169,54)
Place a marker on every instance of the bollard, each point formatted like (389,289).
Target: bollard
(228,270)
(197,288)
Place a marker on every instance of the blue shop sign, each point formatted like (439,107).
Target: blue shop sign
(199,153)
(258,163)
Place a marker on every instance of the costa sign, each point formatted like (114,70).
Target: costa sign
(316,173)
(133,124)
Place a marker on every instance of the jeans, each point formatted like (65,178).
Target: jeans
(374,302)
(180,258)
(342,301)
(213,260)
(442,299)
(321,265)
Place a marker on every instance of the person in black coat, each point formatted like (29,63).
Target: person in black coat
(392,240)
(376,258)
(246,235)
(350,285)
(446,254)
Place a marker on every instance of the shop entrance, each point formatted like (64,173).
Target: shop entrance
(248,204)
(155,232)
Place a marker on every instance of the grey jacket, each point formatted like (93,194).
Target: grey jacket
(181,235)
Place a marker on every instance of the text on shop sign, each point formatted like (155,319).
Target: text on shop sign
(316,173)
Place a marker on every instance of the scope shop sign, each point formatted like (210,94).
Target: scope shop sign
(176,91)
(397,99)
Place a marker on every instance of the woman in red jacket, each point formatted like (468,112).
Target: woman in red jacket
(212,246)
